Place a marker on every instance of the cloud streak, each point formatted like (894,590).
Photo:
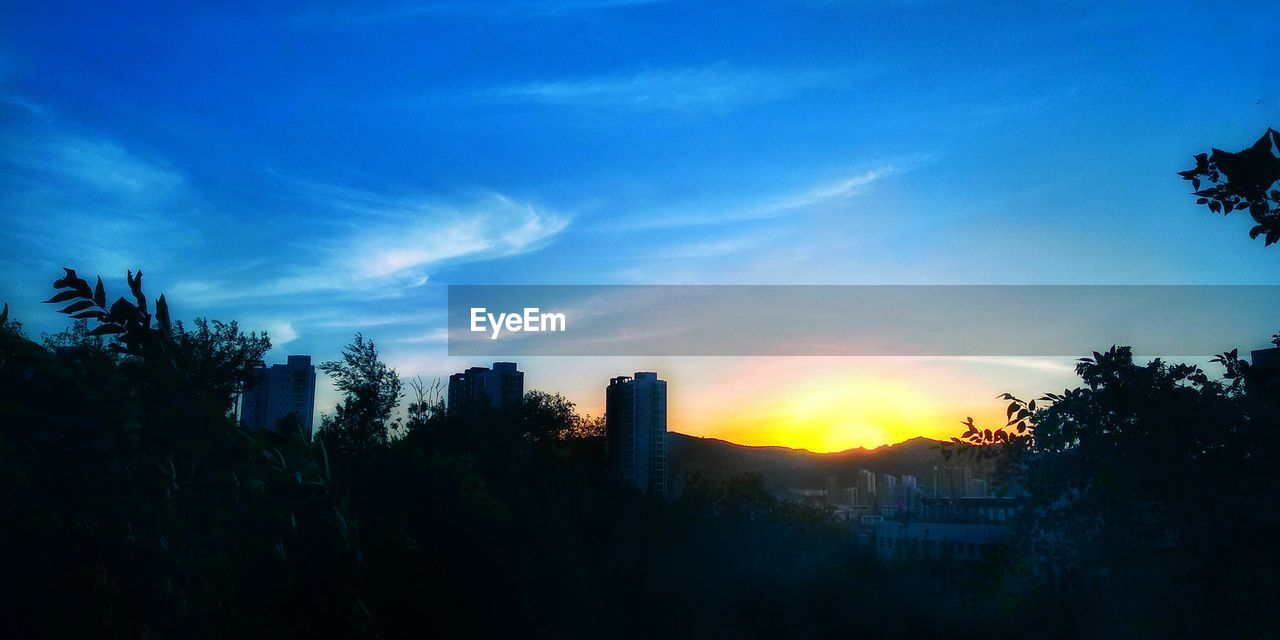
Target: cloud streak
(717,86)
(391,244)
(71,195)
(498,10)
(773,207)
(422,235)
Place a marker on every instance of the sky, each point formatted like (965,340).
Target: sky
(315,169)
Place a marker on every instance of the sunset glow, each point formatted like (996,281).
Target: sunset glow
(858,411)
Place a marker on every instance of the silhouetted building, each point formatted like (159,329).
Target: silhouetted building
(1266,358)
(866,487)
(279,390)
(636,430)
(951,481)
(962,541)
(887,490)
(501,388)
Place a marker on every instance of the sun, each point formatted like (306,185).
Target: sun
(827,415)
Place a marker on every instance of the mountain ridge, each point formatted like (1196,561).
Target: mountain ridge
(785,468)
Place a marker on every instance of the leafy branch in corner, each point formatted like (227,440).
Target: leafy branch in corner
(128,322)
(1242,180)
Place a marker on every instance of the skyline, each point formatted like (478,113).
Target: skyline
(317,171)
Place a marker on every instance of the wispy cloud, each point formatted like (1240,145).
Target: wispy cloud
(282,332)
(770,207)
(438,336)
(84,196)
(716,86)
(372,13)
(391,243)
(19,102)
(427,234)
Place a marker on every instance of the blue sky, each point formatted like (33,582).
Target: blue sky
(316,169)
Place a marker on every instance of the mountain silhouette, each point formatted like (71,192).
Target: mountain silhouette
(785,468)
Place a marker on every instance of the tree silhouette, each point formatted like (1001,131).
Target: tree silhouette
(1141,463)
(127,489)
(1226,182)
(550,417)
(221,354)
(363,420)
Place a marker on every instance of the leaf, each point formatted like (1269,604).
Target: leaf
(95,313)
(62,296)
(102,330)
(135,285)
(123,310)
(100,294)
(76,307)
(4,315)
(65,281)
(162,312)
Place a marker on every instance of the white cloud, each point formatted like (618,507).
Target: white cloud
(424,235)
(71,196)
(714,86)
(22,103)
(831,191)
(391,244)
(281,331)
(434,336)
(770,207)
(342,16)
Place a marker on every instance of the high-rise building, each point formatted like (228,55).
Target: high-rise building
(1266,358)
(500,388)
(635,420)
(887,490)
(867,488)
(951,481)
(277,391)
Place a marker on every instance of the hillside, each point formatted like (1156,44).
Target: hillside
(785,468)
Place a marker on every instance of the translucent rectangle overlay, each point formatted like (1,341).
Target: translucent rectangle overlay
(858,320)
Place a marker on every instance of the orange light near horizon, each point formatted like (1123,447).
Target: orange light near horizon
(825,415)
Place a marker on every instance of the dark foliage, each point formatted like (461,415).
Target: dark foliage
(1148,492)
(133,506)
(364,420)
(1245,180)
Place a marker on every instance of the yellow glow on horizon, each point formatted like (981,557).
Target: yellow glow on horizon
(826,415)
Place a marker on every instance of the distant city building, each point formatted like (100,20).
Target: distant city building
(636,430)
(277,391)
(962,541)
(887,490)
(866,488)
(951,481)
(501,388)
(1266,358)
